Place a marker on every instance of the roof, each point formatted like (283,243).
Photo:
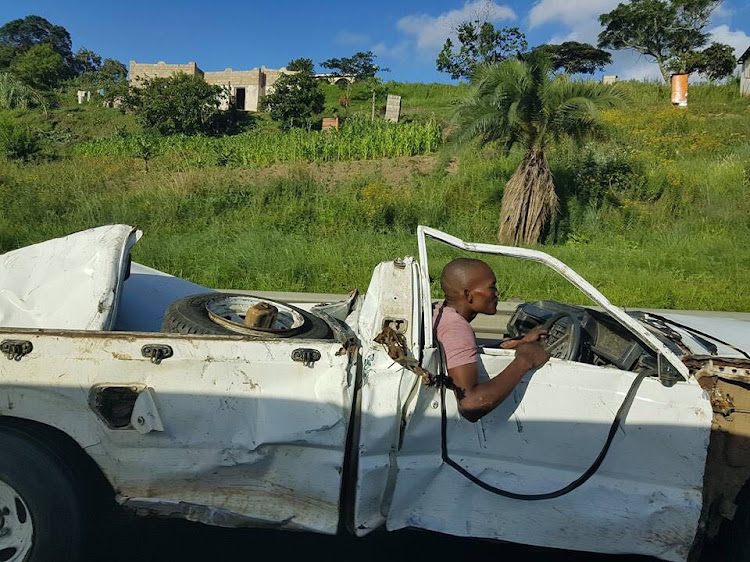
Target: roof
(745,56)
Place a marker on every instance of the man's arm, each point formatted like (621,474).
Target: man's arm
(475,399)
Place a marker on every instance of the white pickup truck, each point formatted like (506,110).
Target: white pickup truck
(123,380)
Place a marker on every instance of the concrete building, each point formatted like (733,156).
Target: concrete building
(745,76)
(247,87)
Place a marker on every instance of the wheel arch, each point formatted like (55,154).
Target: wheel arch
(67,448)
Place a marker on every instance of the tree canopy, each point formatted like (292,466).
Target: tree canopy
(575,58)
(20,35)
(480,45)
(40,67)
(302,64)
(182,104)
(670,32)
(360,65)
(295,100)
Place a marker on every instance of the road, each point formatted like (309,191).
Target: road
(152,540)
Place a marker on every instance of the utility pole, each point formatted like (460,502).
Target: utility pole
(372,118)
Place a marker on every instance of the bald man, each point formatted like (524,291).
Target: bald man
(470,289)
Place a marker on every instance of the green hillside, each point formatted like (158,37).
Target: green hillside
(655,213)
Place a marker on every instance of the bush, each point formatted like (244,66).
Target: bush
(182,104)
(607,176)
(18,143)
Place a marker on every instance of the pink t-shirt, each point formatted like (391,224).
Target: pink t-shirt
(456,335)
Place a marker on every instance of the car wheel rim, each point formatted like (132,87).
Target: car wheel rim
(16,527)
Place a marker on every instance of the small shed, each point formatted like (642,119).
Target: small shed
(744,60)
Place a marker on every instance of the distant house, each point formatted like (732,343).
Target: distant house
(745,76)
(247,87)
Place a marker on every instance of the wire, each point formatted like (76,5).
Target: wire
(619,417)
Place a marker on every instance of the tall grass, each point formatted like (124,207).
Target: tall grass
(14,94)
(356,140)
(655,213)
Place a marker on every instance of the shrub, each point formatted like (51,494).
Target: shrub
(18,143)
(182,104)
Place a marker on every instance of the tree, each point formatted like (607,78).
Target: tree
(113,72)
(301,64)
(110,73)
(481,45)
(576,58)
(520,102)
(21,35)
(295,100)
(715,62)
(40,67)
(182,104)
(360,66)
(667,31)
(86,61)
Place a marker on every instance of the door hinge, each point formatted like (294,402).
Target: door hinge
(16,349)
(306,356)
(157,352)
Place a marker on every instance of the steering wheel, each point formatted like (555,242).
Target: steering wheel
(564,341)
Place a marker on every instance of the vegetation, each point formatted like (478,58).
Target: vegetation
(670,32)
(296,100)
(573,57)
(360,65)
(15,94)
(654,213)
(356,140)
(518,102)
(481,45)
(182,104)
(301,64)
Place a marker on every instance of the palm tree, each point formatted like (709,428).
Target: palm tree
(521,102)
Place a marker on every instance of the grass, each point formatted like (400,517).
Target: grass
(656,213)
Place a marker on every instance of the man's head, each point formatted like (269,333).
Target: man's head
(470,285)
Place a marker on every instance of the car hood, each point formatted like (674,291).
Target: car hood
(731,330)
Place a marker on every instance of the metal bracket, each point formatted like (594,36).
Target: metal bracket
(306,356)
(157,352)
(15,349)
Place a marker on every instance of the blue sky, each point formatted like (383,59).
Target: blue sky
(406,36)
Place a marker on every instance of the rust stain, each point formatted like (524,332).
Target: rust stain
(727,384)
(122,356)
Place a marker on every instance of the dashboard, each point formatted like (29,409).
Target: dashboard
(604,341)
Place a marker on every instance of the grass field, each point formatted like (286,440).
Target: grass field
(655,213)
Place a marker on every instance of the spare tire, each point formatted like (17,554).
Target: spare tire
(192,315)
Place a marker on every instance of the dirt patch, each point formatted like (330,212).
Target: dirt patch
(392,171)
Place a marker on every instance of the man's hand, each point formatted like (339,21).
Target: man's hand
(532,336)
(533,353)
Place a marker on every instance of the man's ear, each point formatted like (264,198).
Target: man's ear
(467,295)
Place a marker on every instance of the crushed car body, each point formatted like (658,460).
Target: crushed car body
(315,420)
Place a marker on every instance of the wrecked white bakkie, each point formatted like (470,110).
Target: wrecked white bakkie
(632,438)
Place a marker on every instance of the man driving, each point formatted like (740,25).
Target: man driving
(470,289)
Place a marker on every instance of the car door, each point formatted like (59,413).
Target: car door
(645,497)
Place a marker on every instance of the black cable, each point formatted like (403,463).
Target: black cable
(619,417)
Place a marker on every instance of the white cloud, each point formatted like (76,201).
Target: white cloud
(738,40)
(398,51)
(573,13)
(349,38)
(430,32)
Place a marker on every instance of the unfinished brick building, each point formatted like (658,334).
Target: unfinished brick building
(247,87)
